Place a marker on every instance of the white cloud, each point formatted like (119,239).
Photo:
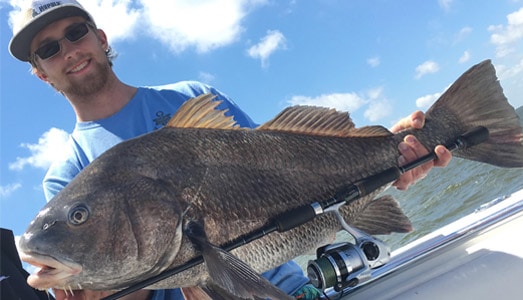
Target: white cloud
(340,101)
(374,61)
(504,37)
(116,17)
(15,15)
(465,57)
(378,110)
(511,78)
(427,100)
(180,24)
(205,25)
(509,72)
(50,147)
(7,190)
(426,68)
(377,105)
(462,34)
(464,31)
(273,41)
(206,77)
(445,4)
(375,93)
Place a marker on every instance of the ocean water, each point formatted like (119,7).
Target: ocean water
(446,195)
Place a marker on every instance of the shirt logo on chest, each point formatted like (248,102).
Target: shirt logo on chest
(161,119)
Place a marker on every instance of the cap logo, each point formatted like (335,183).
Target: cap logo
(40,9)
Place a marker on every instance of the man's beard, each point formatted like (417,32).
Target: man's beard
(91,84)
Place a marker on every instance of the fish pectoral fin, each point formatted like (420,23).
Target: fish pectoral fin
(382,216)
(230,277)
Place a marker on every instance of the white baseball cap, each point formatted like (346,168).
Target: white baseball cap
(35,18)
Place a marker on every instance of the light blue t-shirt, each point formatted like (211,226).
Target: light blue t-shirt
(148,110)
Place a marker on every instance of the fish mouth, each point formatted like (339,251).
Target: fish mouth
(51,273)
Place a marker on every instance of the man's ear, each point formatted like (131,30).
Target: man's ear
(103,39)
(41,75)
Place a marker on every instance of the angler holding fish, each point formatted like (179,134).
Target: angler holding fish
(66,50)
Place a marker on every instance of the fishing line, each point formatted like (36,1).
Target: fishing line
(306,213)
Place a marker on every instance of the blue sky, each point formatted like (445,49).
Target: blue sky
(379,59)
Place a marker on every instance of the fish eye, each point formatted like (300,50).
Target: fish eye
(78,215)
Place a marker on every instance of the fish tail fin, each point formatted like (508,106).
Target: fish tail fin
(382,216)
(477,99)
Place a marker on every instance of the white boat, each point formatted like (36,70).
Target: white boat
(479,256)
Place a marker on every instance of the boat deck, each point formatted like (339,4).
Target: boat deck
(477,257)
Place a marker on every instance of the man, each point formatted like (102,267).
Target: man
(66,49)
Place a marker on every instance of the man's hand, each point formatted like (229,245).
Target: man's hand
(412,149)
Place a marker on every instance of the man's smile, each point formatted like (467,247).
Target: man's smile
(79,67)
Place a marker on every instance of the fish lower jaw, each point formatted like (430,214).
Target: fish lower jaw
(51,273)
(47,278)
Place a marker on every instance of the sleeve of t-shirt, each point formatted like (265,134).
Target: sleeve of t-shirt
(59,174)
(56,181)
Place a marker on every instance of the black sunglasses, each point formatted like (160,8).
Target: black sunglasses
(73,34)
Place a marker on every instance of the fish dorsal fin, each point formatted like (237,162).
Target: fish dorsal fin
(319,121)
(202,112)
(367,131)
(311,120)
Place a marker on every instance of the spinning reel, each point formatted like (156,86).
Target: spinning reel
(346,265)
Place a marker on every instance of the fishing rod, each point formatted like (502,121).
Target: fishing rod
(303,214)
